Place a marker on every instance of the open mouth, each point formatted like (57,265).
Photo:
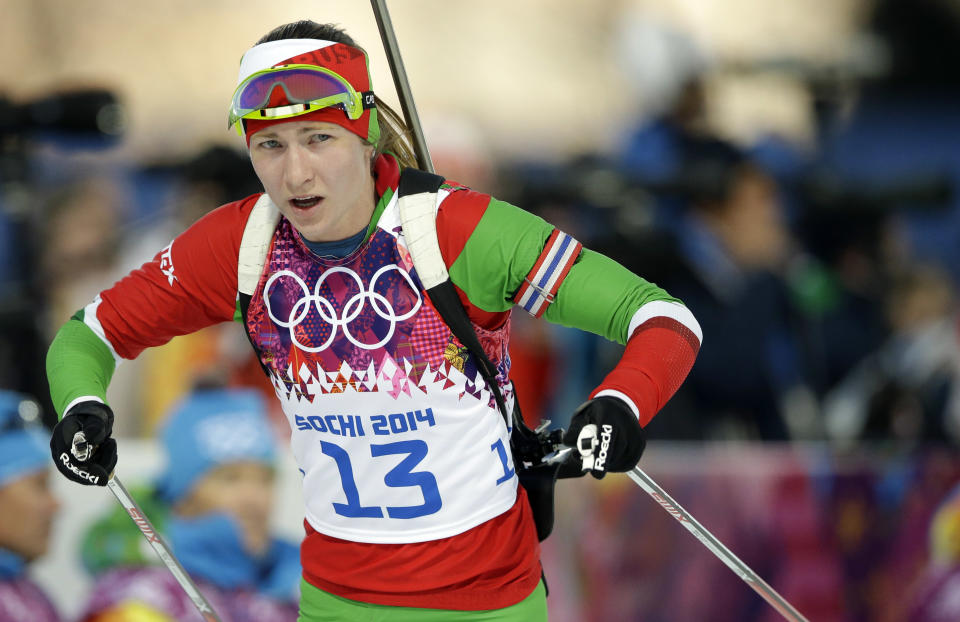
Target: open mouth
(305,202)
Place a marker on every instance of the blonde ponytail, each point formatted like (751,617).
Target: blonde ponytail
(394,136)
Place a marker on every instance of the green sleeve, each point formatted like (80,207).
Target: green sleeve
(601,296)
(498,255)
(79,363)
(598,295)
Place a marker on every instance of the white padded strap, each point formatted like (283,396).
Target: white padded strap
(418,217)
(257,236)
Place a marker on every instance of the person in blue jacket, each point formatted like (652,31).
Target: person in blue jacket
(212,503)
(28,510)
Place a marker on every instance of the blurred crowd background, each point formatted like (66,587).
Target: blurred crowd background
(790,170)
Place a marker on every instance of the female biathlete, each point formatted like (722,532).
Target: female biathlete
(412,505)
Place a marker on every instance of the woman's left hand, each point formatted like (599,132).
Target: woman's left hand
(607,436)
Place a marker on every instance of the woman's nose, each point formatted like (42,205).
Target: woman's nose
(297,171)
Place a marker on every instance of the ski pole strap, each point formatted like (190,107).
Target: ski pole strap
(421,234)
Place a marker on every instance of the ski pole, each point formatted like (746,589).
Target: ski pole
(716,547)
(82,450)
(401,83)
(587,441)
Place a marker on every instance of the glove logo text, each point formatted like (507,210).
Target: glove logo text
(605,437)
(65,459)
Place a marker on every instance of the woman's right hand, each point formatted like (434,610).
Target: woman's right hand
(81,444)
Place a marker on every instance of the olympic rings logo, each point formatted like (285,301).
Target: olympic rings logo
(351,309)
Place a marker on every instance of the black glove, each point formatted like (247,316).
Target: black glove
(95,420)
(615,444)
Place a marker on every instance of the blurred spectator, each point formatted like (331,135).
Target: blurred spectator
(665,67)
(81,255)
(657,149)
(81,245)
(909,389)
(28,510)
(212,502)
(854,249)
(194,186)
(733,247)
(23,340)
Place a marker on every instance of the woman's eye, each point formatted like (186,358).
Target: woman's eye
(319,138)
(270,144)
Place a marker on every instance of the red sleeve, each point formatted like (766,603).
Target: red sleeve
(189,285)
(657,359)
(457,217)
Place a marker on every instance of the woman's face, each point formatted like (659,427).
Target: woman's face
(243,491)
(27,516)
(318,174)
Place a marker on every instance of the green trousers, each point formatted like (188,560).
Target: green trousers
(319,606)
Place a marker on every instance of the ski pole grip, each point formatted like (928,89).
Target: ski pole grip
(586,442)
(80,448)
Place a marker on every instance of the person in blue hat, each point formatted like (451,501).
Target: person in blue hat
(28,509)
(212,502)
